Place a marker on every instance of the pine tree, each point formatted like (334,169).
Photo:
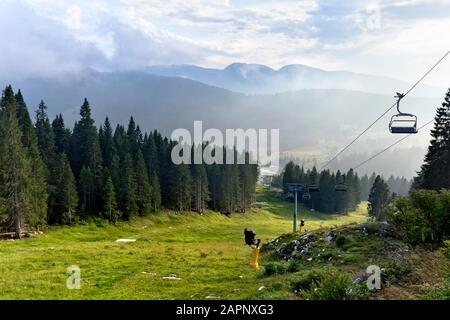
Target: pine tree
(378,198)
(143,190)
(200,184)
(180,187)
(120,139)
(38,184)
(61,135)
(150,154)
(110,204)
(341,197)
(107,143)
(127,189)
(326,196)
(14,166)
(45,137)
(435,172)
(114,171)
(63,201)
(85,152)
(133,134)
(353,190)
(156,192)
(289,175)
(87,189)
(365,187)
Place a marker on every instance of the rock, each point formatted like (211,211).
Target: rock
(171,278)
(211,297)
(149,273)
(125,240)
(261,288)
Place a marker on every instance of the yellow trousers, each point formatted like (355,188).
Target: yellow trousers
(255,256)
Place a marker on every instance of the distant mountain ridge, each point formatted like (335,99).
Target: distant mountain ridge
(261,79)
(320,120)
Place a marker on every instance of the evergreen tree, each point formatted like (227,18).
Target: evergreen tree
(14,166)
(143,190)
(200,187)
(353,190)
(114,171)
(180,187)
(63,200)
(121,142)
(38,185)
(156,192)
(435,172)
(365,187)
(107,143)
(133,134)
(45,135)
(378,198)
(289,175)
(341,200)
(110,204)
(87,189)
(85,152)
(61,135)
(150,154)
(127,189)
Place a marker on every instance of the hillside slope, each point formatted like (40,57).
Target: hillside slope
(331,263)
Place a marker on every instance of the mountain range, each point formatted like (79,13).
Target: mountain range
(313,122)
(261,79)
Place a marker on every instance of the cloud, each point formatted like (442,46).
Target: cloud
(50,37)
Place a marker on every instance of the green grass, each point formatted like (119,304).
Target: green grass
(206,251)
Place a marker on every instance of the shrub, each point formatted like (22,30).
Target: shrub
(341,242)
(308,280)
(275,268)
(423,217)
(329,286)
(446,248)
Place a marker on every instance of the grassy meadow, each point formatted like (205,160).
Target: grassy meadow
(204,255)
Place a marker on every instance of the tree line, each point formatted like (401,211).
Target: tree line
(50,174)
(328,199)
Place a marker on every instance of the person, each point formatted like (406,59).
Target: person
(250,238)
(302,223)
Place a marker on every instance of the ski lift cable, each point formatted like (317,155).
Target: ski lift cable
(390,146)
(385,112)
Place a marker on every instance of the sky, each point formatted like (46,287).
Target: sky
(400,38)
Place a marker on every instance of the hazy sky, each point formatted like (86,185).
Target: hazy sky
(400,39)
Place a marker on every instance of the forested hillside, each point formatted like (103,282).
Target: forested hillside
(328,200)
(51,174)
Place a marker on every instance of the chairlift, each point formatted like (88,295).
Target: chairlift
(340,186)
(313,188)
(405,123)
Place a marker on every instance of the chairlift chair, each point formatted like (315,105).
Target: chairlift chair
(306,196)
(340,187)
(403,123)
(313,188)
